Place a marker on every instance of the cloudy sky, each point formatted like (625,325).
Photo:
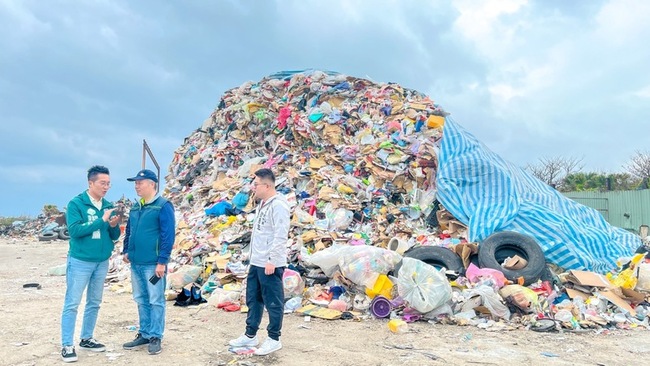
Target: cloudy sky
(84,82)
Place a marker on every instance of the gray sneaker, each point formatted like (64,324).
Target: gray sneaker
(137,342)
(154,346)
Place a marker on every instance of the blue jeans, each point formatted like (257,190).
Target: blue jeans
(81,275)
(150,300)
(264,290)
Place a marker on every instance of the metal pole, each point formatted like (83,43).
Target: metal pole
(146,150)
(144,156)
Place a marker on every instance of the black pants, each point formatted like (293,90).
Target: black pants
(264,291)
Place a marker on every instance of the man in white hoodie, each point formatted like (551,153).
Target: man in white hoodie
(268,259)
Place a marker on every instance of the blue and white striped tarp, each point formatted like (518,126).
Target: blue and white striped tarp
(489,195)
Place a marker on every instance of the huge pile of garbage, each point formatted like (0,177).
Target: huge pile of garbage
(357,161)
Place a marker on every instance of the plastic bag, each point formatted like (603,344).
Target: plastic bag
(183,276)
(643,282)
(301,217)
(422,286)
(241,199)
(221,296)
(209,285)
(359,263)
(341,219)
(293,283)
(363,264)
(444,309)
(58,270)
(328,259)
(487,276)
(292,305)
(491,300)
(522,297)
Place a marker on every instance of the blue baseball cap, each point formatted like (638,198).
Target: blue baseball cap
(144,174)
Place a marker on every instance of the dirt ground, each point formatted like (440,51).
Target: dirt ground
(30,332)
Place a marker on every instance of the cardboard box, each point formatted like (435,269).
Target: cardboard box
(588,279)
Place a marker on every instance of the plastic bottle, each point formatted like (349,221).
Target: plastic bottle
(398,326)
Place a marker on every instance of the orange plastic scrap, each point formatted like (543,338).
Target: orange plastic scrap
(435,121)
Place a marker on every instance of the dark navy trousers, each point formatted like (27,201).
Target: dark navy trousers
(264,291)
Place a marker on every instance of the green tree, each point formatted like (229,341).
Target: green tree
(50,210)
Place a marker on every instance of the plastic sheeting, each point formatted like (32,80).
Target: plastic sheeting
(489,195)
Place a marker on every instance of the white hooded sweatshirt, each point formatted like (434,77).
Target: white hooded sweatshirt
(270,232)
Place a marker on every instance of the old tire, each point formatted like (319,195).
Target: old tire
(50,235)
(64,234)
(438,257)
(497,247)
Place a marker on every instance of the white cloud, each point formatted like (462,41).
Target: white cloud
(504,93)
(480,23)
(622,21)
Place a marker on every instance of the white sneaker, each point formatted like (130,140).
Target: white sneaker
(244,341)
(269,346)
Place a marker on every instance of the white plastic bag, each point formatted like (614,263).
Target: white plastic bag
(328,259)
(643,283)
(363,264)
(491,300)
(360,264)
(422,286)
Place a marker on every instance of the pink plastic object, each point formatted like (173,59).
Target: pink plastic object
(474,275)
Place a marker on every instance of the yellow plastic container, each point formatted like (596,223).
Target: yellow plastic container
(398,326)
(383,286)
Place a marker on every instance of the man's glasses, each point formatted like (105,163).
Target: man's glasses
(102,183)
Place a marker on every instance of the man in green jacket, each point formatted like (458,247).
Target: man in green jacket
(93,229)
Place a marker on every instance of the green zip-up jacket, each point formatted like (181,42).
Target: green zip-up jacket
(91,239)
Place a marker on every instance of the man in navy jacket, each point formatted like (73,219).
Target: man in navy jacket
(150,234)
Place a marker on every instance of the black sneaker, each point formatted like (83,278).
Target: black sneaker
(154,346)
(91,345)
(68,354)
(137,342)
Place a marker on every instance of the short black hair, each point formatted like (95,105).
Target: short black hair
(95,170)
(266,174)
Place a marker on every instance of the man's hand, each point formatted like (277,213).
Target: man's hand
(160,270)
(269,269)
(125,258)
(113,221)
(107,214)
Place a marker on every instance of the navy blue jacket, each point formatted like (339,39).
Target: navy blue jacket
(150,232)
